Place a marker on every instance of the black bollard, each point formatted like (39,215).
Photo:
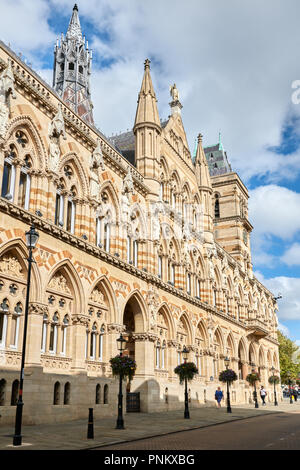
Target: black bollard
(90,433)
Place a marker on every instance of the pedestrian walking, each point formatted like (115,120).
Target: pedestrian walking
(295,393)
(263,394)
(219,397)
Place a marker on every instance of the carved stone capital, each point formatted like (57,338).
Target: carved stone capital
(80,319)
(144,337)
(36,308)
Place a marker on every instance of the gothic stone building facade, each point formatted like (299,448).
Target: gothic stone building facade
(136,236)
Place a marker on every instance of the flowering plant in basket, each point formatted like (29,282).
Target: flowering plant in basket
(123,365)
(274,379)
(187,370)
(252,378)
(228,375)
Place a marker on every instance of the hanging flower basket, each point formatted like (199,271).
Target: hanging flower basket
(187,370)
(228,375)
(252,378)
(123,365)
(274,379)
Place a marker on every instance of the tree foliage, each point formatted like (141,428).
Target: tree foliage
(286,350)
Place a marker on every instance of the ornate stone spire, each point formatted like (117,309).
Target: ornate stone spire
(147,111)
(74,29)
(72,69)
(201,166)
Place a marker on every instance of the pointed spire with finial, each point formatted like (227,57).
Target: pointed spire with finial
(201,166)
(74,29)
(147,110)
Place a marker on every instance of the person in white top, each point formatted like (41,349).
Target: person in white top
(263,394)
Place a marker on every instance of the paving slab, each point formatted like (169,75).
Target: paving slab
(72,435)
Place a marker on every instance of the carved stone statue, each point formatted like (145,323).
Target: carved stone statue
(128,183)
(174,92)
(6,89)
(55,130)
(97,160)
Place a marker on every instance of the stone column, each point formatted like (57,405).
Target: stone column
(36,313)
(80,324)
(144,381)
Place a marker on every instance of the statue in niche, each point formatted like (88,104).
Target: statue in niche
(128,186)
(7,89)
(55,130)
(97,160)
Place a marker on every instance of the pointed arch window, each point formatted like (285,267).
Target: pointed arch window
(198,286)
(98,232)
(93,342)
(59,209)
(24,185)
(107,237)
(102,330)
(217,206)
(160,271)
(188,283)
(44,333)
(53,334)
(135,247)
(15,326)
(64,335)
(8,179)
(4,310)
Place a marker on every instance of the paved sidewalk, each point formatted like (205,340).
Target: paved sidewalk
(73,435)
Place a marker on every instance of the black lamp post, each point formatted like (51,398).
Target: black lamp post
(120,422)
(290,393)
(32,237)
(275,397)
(227,362)
(186,397)
(254,393)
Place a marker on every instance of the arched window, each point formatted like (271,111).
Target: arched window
(71,66)
(160,267)
(67,391)
(64,329)
(105,394)
(15,325)
(59,209)
(14,393)
(129,255)
(4,309)
(24,184)
(53,334)
(98,394)
(135,253)
(107,236)
(188,283)
(56,395)
(98,232)
(102,330)
(217,207)
(93,342)
(163,355)
(157,361)
(9,177)
(2,391)
(44,333)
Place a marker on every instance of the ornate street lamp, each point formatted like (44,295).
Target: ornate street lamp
(275,397)
(290,393)
(227,362)
(185,353)
(254,393)
(32,237)
(120,422)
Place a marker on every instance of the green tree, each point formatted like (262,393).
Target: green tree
(286,350)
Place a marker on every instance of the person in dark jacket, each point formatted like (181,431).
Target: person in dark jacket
(219,397)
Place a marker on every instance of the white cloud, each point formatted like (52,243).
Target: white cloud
(224,58)
(291,256)
(284,330)
(289,288)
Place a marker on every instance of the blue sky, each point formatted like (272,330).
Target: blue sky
(234,64)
